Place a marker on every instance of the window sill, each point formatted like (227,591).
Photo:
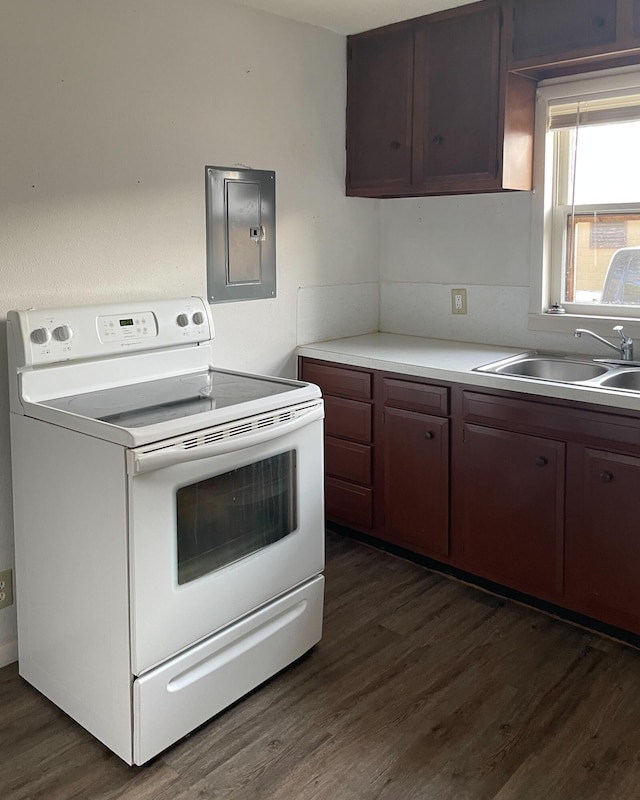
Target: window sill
(567,323)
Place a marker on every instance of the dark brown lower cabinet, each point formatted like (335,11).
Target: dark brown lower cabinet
(541,496)
(348,448)
(348,503)
(348,492)
(348,461)
(603,537)
(512,514)
(416,481)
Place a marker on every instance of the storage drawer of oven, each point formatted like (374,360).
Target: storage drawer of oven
(174,698)
(349,504)
(348,460)
(349,419)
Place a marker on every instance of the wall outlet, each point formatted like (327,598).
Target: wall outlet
(6,588)
(458,301)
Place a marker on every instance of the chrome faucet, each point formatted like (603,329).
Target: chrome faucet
(625,348)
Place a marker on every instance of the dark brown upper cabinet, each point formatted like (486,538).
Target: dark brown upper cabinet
(548,27)
(560,37)
(380,108)
(431,108)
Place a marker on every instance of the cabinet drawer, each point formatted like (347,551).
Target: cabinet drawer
(348,460)
(348,419)
(338,380)
(415,396)
(348,503)
(545,419)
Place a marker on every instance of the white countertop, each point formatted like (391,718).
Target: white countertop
(445,360)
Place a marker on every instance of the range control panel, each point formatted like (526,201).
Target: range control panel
(49,336)
(113,327)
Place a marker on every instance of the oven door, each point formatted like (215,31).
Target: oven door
(222,522)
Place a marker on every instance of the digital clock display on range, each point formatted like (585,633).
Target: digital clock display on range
(124,322)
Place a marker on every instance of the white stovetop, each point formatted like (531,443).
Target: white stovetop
(446,360)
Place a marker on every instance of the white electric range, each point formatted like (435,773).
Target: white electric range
(169,523)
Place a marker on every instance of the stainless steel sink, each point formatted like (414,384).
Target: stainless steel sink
(622,379)
(548,368)
(615,375)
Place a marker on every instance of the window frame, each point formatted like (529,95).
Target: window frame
(549,228)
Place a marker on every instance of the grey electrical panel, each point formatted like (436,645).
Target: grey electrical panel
(241,234)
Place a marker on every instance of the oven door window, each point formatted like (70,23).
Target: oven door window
(230,516)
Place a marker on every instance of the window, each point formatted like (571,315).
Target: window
(587,200)
(230,516)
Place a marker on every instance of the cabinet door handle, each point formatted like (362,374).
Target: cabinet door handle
(395,145)
(606,477)
(541,461)
(428,435)
(599,22)
(437,139)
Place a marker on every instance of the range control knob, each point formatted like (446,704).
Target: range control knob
(62,333)
(40,335)
(182,320)
(198,318)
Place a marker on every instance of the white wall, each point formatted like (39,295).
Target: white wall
(110,111)
(478,242)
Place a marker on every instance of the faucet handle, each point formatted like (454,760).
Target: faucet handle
(620,329)
(626,348)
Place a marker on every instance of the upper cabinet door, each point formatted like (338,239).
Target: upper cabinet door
(379,108)
(432,110)
(456,101)
(547,31)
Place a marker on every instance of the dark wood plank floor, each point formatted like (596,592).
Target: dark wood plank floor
(421,688)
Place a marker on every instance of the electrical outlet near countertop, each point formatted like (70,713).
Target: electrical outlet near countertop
(458,301)
(6,588)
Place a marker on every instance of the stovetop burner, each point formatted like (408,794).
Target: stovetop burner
(157,401)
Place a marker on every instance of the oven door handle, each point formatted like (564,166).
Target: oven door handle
(138,463)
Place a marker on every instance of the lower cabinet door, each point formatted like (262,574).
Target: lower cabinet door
(603,538)
(416,481)
(512,515)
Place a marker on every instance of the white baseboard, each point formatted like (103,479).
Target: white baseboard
(8,652)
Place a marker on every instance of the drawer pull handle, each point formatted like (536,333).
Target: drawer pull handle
(606,477)
(541,461)
(395,145)
(428,435)
(599,22)
(437,139)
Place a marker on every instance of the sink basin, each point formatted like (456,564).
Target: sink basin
(549,368)
(628,379)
